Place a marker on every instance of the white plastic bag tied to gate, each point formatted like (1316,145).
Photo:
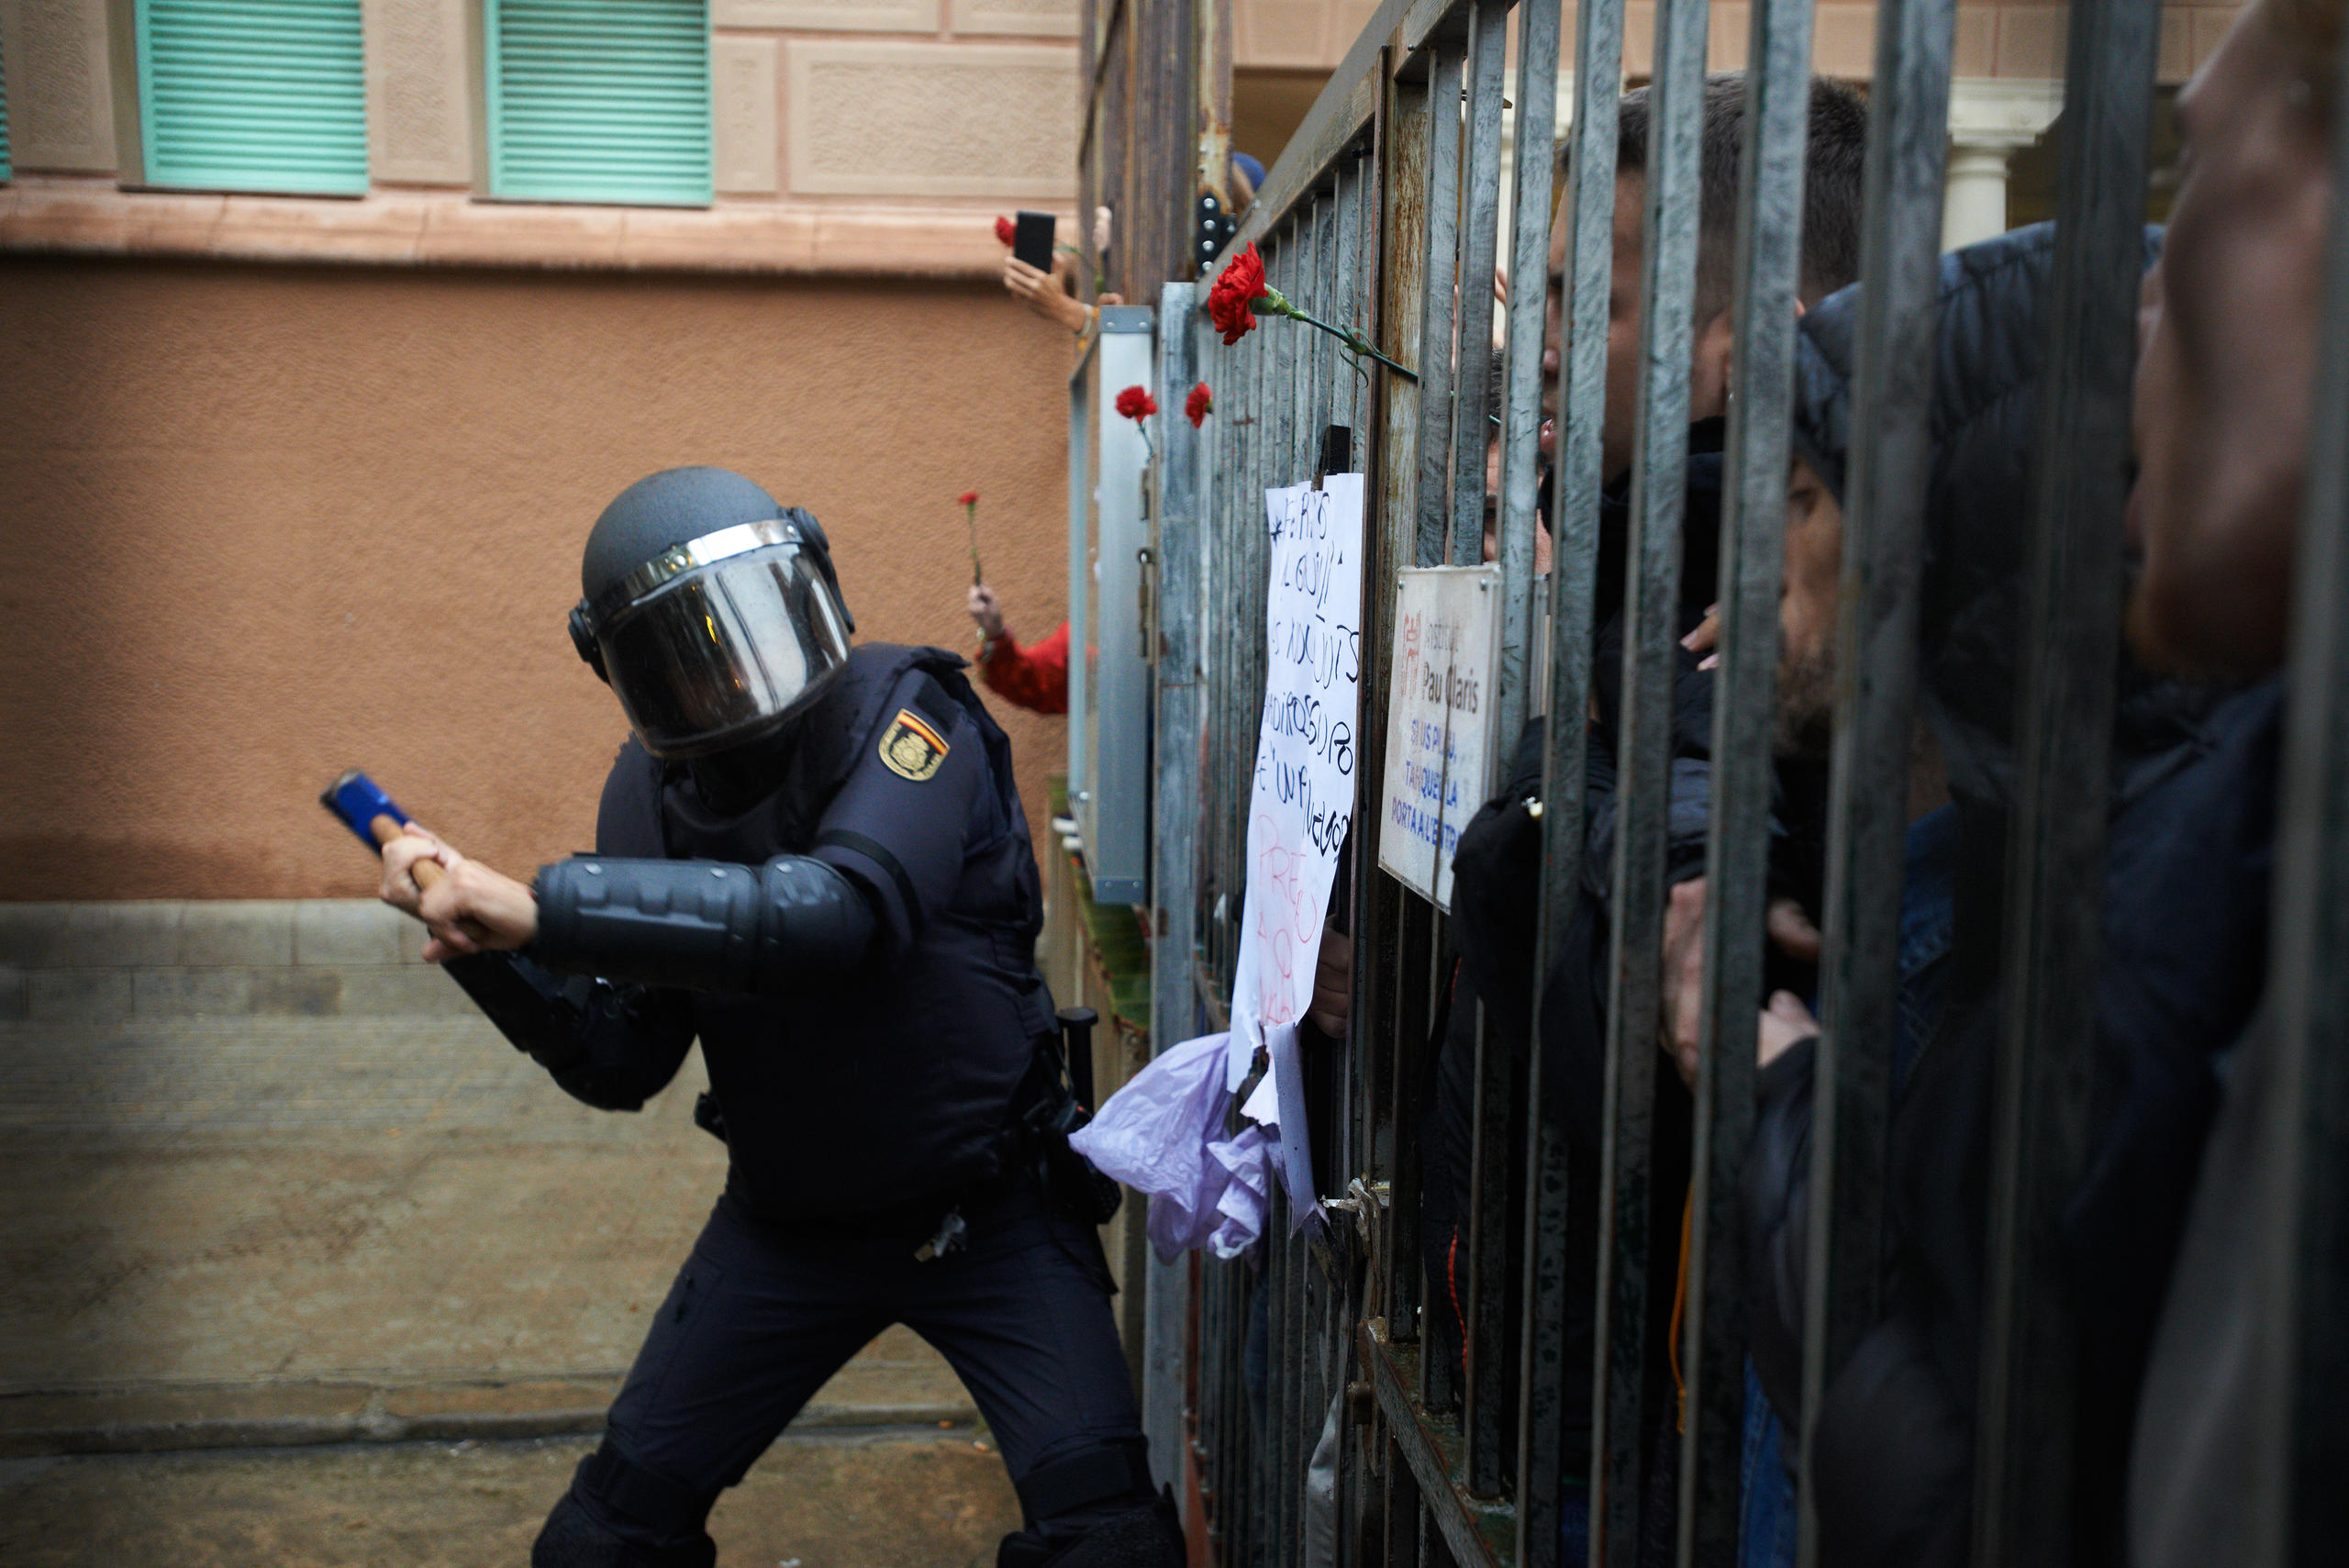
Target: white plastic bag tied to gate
(1153,1135)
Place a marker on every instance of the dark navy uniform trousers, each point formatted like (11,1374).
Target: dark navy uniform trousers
(760,1317)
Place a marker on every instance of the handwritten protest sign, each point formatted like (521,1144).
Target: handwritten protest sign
(1302,799)
(1439,721)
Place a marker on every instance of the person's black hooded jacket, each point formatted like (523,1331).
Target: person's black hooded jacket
(1494,898)
(2185,925)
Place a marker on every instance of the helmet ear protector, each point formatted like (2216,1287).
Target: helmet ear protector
(590,650)
(583,627)
(813,531)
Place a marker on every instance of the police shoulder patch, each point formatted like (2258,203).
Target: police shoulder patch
(912,748)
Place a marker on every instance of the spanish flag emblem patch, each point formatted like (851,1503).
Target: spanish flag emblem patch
(911,749)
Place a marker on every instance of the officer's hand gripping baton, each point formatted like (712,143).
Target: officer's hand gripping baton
(361,805)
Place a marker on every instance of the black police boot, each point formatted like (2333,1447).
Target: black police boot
(573,1538)
(1149,1536)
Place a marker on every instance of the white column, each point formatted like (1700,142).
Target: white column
(1990,122)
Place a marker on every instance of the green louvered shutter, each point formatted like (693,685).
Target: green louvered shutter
(600,101)
(253,95)
(7,170)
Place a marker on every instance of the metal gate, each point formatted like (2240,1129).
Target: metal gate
(1383,215)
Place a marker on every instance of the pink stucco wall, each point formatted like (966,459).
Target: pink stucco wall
(268,522)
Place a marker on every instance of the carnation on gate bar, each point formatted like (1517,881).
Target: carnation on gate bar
(1240,291)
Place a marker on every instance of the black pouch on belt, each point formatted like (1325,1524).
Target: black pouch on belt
(1052,1104)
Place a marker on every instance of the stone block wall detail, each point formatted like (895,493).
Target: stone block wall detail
(60,103)
(745,154)
(1042,19)
(1296,35)
(930,120)
(829,16)
(419,123)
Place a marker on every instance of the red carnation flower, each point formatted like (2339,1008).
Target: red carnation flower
(968,498)
(1136,404)
(1198,405)
(1236,289)
(1004,230)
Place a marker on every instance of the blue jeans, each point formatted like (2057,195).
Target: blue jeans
(1767,1513)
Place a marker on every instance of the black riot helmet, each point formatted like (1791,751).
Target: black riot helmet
(711,611)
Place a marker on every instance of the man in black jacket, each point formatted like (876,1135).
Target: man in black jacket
(1495,867)
(2230,431)
(2184,910)
(811,858)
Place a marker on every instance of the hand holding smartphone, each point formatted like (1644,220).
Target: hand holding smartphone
(1031,240)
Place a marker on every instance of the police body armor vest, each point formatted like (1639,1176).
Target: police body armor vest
(892,1083)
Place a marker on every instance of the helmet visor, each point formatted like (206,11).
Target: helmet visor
(721,653)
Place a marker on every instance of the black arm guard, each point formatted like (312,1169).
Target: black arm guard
(613,1047)
(700,924)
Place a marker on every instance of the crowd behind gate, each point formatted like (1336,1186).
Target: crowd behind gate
(2186,1105)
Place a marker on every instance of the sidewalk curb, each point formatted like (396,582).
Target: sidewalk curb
(373,1424)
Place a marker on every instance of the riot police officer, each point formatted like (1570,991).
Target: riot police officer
(811,857)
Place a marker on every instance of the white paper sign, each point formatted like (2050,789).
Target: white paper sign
(1438,720)
(1303,796)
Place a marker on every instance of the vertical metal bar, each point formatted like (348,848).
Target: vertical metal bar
(1439,334)
(1080,532)
(1479,246)
(1884,502)
(1549,1387)
(1354,298)
(1211,1445)
(1484,1317)
(1414,999)
(1404,172)
(1214,671)
(1175,813)
(1304,344)
(1651,598)
(1520,427)
(1262,1296)
(1290,351)
(1280,1404)
(1769,245)
(2022,1472)
(1320,393)
(1300,1373)
(1403,1510)
(1543,1382)
(2304,1381)
(1239,1464)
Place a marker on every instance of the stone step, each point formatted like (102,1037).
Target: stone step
(896,1382)
(115,962)
(170,933)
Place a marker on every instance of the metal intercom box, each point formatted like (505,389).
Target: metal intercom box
(1108,534)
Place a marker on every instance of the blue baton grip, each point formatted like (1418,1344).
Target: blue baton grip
(359,800)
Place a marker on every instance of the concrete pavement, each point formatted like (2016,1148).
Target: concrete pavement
(887,1498)
(354,1233)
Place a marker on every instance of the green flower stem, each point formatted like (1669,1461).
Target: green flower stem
(1272,302)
